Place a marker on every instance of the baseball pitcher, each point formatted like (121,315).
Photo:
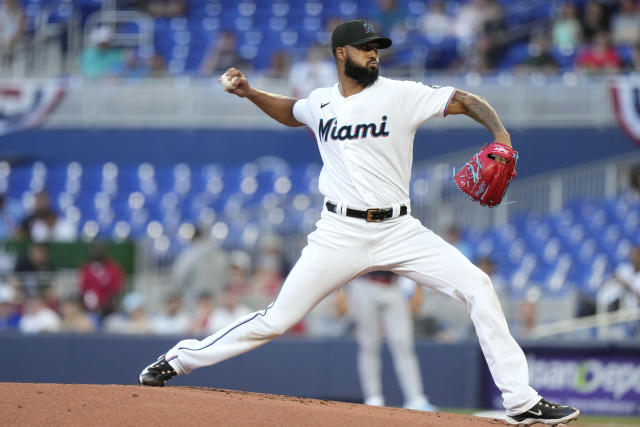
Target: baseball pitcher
(365,126)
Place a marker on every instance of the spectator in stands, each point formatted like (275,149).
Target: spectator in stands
(38,318)
(328,318)
(389,17)
(10,216)
(317,70)
(473,18)
(132,320)
(527,318)
(50,227)
(566,32)
(228,309)
(33,268)
(99,57)
(625,24)
(600,56)
(594,20)
(166,8)
(270,270)
(239,273)
(13,25)
(74,318)
(101,281)
(173,321)
(436,25)
(487,265)
(221,55)
(203,309)
(540,57)
(201,267)
(279,66)
(9,313)
(41,210)
(153,66)
(454,237)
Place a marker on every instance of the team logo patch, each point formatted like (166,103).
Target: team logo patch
(368,28)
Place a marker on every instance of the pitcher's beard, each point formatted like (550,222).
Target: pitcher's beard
(365,76)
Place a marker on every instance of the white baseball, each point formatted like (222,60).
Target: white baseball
(227,82)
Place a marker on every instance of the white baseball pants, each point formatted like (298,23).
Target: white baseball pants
(342,248)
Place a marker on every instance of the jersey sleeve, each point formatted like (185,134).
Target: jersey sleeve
(423,102)
(301,111)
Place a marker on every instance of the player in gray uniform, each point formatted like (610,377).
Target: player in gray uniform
(365,126)
(380,298)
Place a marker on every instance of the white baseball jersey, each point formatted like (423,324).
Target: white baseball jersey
(366,140)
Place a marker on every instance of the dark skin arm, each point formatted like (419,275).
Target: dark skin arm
(479,110)
(278,107)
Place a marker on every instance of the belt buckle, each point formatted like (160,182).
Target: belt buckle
(372,212)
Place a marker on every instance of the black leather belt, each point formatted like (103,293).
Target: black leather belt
(370,215)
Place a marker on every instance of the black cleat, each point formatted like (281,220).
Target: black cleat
(544,412)
(156,374)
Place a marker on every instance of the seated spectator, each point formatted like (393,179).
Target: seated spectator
(527,316)
(540,58)
(137,65)
(99,57)
(279,65)
(200,268)
(38,318)
(436,24)
(101,281)
(487,265)
(13,25)
(227,311)
(34,269)
(53,228)
(317,70)
(473,18)
(221,55)
(625,24)
(239,273)
(166,8)
(389,17)
(454,237)
(594,20)
(566,33)
(41,209)
(132,319)
(173,321)
(9,313)
(74,318)
(600,56)
(269,273)
(200,319)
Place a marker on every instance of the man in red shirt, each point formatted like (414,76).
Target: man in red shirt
(101,281)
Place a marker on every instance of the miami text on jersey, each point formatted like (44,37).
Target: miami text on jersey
(331,130)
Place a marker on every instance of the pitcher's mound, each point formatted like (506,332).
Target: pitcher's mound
(28,404)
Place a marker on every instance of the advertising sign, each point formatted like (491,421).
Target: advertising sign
(595,384)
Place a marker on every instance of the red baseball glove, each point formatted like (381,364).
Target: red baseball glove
(487,175)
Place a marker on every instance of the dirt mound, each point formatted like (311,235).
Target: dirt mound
(27,404)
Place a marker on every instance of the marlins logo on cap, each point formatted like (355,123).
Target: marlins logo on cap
(355,33)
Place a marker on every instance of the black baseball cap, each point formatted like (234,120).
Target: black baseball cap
(355,33)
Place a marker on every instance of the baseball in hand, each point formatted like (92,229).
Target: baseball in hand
(227,82)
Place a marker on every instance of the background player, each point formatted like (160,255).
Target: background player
(365,127)
(377,300)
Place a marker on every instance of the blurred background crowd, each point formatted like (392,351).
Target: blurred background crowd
(285,39)
(215,243)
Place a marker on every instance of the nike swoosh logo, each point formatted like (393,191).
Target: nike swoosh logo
(324,105)
(536,413)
